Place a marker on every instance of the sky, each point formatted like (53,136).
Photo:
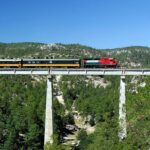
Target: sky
(95,23)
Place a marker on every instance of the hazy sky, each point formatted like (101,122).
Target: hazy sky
(96,23)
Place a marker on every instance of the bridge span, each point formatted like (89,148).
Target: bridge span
(71,71)
(76,71)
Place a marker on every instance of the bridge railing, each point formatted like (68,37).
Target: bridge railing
(67,71)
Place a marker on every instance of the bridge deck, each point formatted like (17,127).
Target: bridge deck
(46,71)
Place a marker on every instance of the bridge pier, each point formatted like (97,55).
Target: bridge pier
(48,137)
(122,110)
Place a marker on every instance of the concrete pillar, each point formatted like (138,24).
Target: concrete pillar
(48,138)
(122,110)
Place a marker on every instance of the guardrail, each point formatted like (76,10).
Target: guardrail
(66,71)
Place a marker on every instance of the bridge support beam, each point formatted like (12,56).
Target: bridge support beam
(122,110)
(48,137)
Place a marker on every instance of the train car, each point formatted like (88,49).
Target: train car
(46,63)
(103,62)
(10,63)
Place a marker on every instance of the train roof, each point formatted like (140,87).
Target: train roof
(51,59)
(18,59)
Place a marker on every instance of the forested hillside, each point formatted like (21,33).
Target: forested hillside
(85,108)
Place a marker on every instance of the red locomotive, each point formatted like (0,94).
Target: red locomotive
(103,62)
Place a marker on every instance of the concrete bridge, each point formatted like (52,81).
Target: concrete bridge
(66,71)
(122,133)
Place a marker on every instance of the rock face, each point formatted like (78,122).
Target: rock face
(60,99)
(80,122)
(136,82)
(71,127)
(97,81)
(59,95)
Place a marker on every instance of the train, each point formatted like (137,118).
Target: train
(103,62)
